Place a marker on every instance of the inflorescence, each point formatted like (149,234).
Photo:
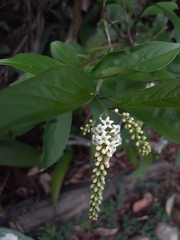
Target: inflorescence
(106,137)
(136,132)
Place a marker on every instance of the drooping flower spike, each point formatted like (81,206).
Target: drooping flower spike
(106,137)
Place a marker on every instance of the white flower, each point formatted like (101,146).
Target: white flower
(93,130)
(115,129)
(110,147)
(102,138)
(100,128)
(94,140)
(107,122)
(117,140)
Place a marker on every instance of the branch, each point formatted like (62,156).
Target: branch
(126,23)
(106,27)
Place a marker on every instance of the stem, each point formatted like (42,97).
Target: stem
(139,16)
(106,27)
(126,23)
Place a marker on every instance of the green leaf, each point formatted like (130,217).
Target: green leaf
(58,176)
(97,108)
(45,96)
(167,8)
(158,107)
(7,233)
(64,53)
(147,57)
(55,139)
(164,120)
(121,71)
(76,47)
(25,77)
(164,95)
(155,9)
(30,62)
(14,153)
(132,155)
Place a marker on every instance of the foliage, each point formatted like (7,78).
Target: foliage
(63,84)
(110,69)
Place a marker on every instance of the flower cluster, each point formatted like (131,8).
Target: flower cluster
(87,127)
(136,132)
(106,137)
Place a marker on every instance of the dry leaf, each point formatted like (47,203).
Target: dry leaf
(143,203)
(33,171)
(45,180)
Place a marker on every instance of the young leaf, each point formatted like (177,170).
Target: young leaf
(64,53)
(55,139)
(147,57)
(7,234)
(58,176)
(45,96)
(30,62)
(14,153)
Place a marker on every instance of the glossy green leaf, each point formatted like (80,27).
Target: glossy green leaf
(164,120)
(163,95)
(55,139)
(158,107)
(45,96)
(14,153)
(8,234)
(64,53)
(147,57)
(25,77)
(123,71)
(58,176)
(30,62)
(96,108)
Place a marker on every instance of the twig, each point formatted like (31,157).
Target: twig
(139,16)
(74,140)
(157,34)
(126,23)
(106,27)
